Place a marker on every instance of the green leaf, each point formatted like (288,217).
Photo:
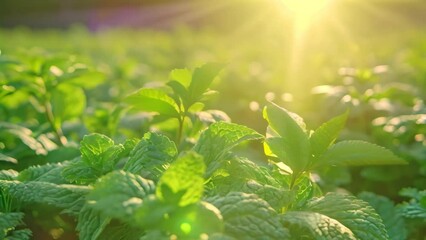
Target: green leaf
(311,225)
(93,145)
(21,234)
(182,76)
(80,172)
(124,232)
(83,78)
(392,217)
(153,155)
(355,214)
(183,183)
(45,173)
(25,135)
(90,223)
(152,213)
(180,93)
(153,100)
(68,197)
(100,153)
(416,207)
(67,102)
(243,175)
(8,159)
(9,221)
(8,174)
(292,145)
(119,193)
(358,153)
(217,140)
(202,77)
(326,134)
(155,234)
(248,217)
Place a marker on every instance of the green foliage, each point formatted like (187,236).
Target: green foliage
(249,217)
(189,90)
(288,140)
(216,141)
(118,193)
(153,100)
(67,197)
(90,223)
(45,173)
(325,135)
(99,156)
(183,182)
(312,225)
(195,187)
(359,217)
(416,207)
(391,215)
(8,223)
(151,156)
(358,153)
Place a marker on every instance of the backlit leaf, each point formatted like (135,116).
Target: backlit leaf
(183,183)
(358,153)
(153,100)
(355,214)
(118,193)
(292,145)
(326,134)
(248,217)
(152,154)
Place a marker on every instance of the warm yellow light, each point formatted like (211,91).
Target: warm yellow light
(305,8)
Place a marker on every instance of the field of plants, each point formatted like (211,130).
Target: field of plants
(283,132)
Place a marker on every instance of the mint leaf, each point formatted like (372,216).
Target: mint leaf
(392,216)
(68,197)
(80,172)
(291,146)
(8,174)
(5,158)
(25,135)
(183,183)
(9,221)
(99,156)
(91,224)
(67,102)
(153,154)
(202,77)
(358,153)
(118,193)
(326,134)
(21,234)
(248,217)
(311,225)
(351,212)
(217,140)
(83,78)
(153,100)
(416,207)
(45,173)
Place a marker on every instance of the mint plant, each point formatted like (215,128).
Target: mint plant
(150,188)
(189,90)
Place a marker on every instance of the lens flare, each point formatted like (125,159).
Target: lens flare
(186,228)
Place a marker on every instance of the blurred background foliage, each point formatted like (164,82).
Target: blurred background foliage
(369,57)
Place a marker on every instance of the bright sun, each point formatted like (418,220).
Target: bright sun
(305,8)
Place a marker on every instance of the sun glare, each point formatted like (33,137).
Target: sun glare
(305,8)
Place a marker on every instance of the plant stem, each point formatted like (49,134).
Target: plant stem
(57,130)
(294,177)
(180,131)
